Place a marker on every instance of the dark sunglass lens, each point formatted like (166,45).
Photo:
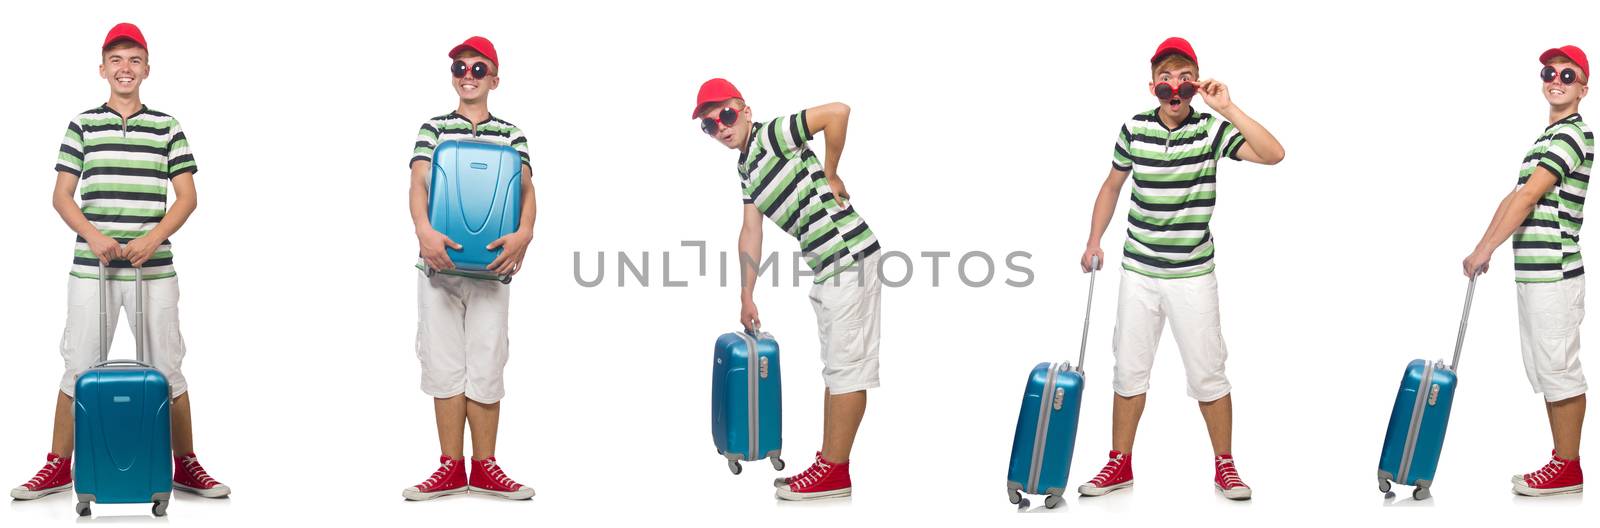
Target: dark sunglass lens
(728,116)
(458,69)
(1548,74)
(1186,91)
(708,125)
(1164,91)
(1568,76)
(479,70)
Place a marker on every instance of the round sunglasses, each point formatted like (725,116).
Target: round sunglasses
(1165,90)
(727,117)
(478,70)
(1568,75)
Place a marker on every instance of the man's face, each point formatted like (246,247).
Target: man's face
(1176,106)
(468,86)
(125,67)
(1562,94)
(731,136)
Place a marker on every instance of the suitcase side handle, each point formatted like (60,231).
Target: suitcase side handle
(138,317)
(1083,342)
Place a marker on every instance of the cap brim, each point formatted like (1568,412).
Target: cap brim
(468,47)
(124,38)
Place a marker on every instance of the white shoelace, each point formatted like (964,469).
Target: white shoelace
(1111,468)
(813,475)
(438,475)
(492,468)
(1230,475)
(191,465)
(1546,473)
(44,474)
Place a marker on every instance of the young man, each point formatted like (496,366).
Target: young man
(783,180)
(1172,153)
(126,156)
(461,316)
(1542,215)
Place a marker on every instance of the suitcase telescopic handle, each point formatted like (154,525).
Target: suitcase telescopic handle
(1466,310)
(1083,341)
(138,317)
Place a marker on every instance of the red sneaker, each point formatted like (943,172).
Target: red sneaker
(1227,479)
(187,475)
(1117,474)
(449,479)
(783,482)
(823,480)
(487,477)
(1556,477)
(54,477)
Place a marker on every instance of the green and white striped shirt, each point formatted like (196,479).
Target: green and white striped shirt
(123,167)
(457,127)
(784,179)
(1545,247)
(1174,190)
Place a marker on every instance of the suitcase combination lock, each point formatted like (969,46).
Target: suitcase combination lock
(764,372)
(1433,395)
(1061,395)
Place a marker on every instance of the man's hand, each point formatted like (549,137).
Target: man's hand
(140,250)
(432,244)
(1091,255)
(1475,264)
(1216,96)
(840,194)
(104,247)
(513,247)
(749,317)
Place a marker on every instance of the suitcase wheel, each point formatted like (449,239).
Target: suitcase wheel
(777,464)
(160,509)
(1420,493)
(83,509)
(1383,485)
(735,467)
(1051,501)
(1014,495)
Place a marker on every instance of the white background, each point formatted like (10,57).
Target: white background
(977,126)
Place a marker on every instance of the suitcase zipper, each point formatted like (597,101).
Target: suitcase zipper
(1042,434)
(1416,424)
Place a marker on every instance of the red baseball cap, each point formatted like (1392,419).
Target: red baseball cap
(124,31)
(1572,53)
(1174,45)
(714,91)
(480,45)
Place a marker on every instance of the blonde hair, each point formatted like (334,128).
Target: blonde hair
(1173,61)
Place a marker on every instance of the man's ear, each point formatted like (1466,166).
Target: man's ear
(494,83)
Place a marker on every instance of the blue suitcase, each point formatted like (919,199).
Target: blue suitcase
(122,434)
(475,197)
(747,399)
(1047,426)
(1415,437)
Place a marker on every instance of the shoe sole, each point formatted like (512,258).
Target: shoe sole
(415,495)
(214,493)
(26,494)
(787,495)
(522,494)
(1528,491)
(1091,491)
(1238,494)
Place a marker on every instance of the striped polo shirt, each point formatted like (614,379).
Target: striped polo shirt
(457,127)
(1174,190)
(783,178)
(1545,247)
(123,167)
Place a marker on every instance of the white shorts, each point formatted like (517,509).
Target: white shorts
(847,307)
(1550,313)
(80,342)
(1143,305)
(462,338)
